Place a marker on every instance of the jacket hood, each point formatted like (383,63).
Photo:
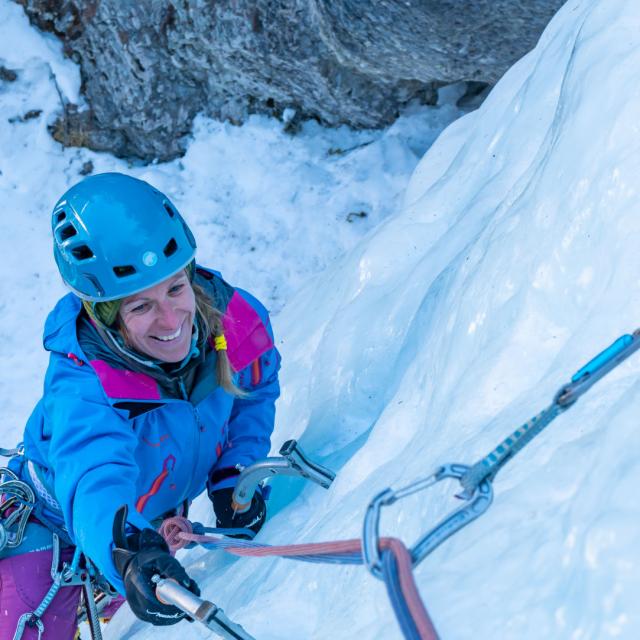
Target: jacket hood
(60,333)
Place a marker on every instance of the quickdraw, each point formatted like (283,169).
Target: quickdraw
(476,480)
(479,503)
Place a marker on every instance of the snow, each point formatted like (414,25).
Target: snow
(419,335)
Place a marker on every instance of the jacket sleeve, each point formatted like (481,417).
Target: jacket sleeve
(91,453)
(252,417)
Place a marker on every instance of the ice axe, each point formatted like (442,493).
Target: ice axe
(202,611)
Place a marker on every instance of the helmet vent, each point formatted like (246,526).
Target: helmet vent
(60,217)
(82,252)
(67,232)
(124,271)
(169,210)
(171,248)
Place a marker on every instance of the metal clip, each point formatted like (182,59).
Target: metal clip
(476,505)
(371,528)
(12,453)
(28,619)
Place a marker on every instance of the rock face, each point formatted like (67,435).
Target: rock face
(149,66)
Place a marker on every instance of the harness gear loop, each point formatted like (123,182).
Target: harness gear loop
(35,617)
(19,503)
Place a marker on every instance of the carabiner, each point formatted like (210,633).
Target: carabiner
(474,506)
(370,530)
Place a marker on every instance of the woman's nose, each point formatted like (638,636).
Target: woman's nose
(167,314)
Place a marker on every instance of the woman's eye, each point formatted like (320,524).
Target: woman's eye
(176,289)
(141,308)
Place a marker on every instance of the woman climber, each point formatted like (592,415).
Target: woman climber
(161,382)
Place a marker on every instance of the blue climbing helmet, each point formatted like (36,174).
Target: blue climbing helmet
(115,235)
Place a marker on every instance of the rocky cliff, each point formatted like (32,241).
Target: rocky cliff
(149,66)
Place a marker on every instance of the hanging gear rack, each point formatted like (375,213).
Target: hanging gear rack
(20,503)
(17,503)
(65,575)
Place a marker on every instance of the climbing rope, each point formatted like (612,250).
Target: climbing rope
(397,570)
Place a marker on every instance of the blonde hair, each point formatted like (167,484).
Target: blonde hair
(212,325)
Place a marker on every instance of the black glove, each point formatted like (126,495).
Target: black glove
(253,518)
(138,557)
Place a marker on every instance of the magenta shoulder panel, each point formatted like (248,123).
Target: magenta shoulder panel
(118,383)
(247,337)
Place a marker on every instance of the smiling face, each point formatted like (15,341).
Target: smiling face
(158,320)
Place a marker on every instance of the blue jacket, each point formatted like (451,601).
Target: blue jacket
(103,436)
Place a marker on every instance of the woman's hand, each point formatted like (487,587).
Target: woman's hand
(140,556)
(253,518)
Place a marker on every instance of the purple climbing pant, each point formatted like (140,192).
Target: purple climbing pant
(24,581)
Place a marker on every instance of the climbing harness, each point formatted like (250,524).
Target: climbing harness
(80,572)
(66,575)
(476,480)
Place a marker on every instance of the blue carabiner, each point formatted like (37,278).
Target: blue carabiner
(603,357)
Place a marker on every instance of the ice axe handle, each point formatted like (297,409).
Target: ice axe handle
(202,611)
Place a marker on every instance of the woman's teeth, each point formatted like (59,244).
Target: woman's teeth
(171,337)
